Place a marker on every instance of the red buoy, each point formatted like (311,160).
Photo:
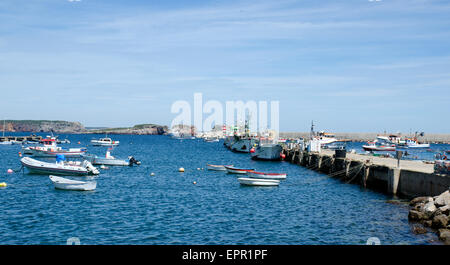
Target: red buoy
(283,156)
(252,150)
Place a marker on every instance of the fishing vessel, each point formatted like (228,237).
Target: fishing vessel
(413,143)
(69,184)
(217,167)
(76,168)
(235,170)
(258,182)
(50,149)
(108,160)
(243,144)
(104,142)
(265,175)
(266,149)
(381,143)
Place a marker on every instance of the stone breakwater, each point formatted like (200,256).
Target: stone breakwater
(432,212)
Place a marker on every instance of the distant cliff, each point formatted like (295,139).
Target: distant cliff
(42,126)
(137,129)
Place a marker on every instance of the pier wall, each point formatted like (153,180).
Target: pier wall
(364,137)
(373,174)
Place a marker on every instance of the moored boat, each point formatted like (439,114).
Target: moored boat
(235,170)
(217,167)
(69,184)
(104,142)
(266,149)
(258,182)
(59,168)
(265,175)
(382,143)
(108,160)
(50,149)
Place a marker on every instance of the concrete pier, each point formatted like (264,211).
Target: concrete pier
(413,178)
(21,138)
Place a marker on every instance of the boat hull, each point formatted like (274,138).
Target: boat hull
(269,152)
(216,167)
(258,182)
(39,167)
(67,184)
(233,170)
(243,145)
(380,148)
(263,175)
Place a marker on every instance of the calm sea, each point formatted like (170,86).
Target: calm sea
(132,207)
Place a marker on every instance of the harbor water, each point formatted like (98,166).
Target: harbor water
(133,206)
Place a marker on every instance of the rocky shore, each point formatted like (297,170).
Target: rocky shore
(141,129)
(432,212)
(36,126)
(42,126)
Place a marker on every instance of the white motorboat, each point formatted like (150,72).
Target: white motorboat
(329,141)
(217,167)
(265,175)
(76,168)
(258,182)
(104,142)
(211,140)
(413,143)
(108,160)
(235,170)
(69,184)
(50,149)
(382,143)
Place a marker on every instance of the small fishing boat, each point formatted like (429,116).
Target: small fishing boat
(50,149)
(108,160)
(235,170)
(265,175)
(76,168)
(211,140)
(258,182)
(69,184)
(217,167)
(413,143)
(382,143)
(104,142)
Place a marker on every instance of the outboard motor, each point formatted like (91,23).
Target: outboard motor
(132,161)
(90,167)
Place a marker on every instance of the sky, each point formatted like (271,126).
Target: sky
(351,66)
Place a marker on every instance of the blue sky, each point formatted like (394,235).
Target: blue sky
(356,65)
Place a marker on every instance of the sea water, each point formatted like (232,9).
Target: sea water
(132,206)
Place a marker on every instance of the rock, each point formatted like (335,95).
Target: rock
(443,199)
(429,208)
(444,235)
(440,221)
(419,200)
(445,209)
(418,229)
(428,223)
(416,215)
(419,206)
